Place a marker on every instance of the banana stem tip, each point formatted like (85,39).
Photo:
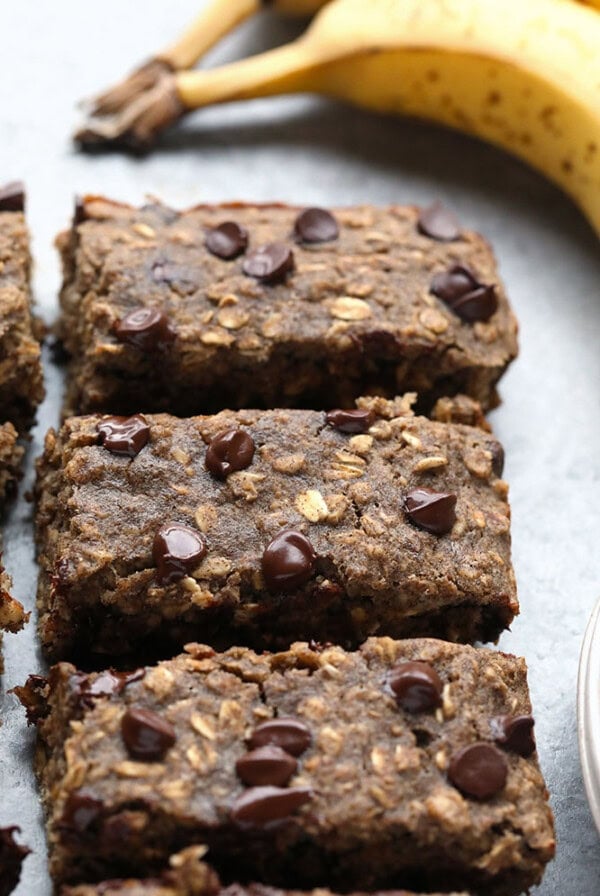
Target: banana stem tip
(133,114)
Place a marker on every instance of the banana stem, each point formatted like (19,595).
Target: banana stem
(286,69)
(211,25)
(214,22)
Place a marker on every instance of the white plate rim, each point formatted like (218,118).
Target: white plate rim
(588,712)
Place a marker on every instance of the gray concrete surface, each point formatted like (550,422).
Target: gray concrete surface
(309,151)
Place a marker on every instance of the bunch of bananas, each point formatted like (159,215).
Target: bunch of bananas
(522,74)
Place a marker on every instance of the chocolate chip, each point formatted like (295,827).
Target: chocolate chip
(177,551)
(288,561)
(454,283)
(228,452)
(146,735)
(85,690)
(148,329)
(479,770)
(497,452)
(12,197)
(260,806)
(107,683)
(270,263)
(81,810)
(227,241)
(464,294)
(430,510)
(123,435)
(266,765)
(316,225)
(353,421)
(416,686)
(291,734)
(480,304)
(515,733)
(439,223)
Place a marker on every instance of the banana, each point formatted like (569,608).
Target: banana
(215,21)
(523,76)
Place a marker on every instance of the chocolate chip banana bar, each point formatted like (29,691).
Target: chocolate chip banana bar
(403,764)
(189,875)
(271,306)
(21,383)
(265,527)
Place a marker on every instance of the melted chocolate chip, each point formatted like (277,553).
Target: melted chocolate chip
(81,810)
(146,735)
(288,561)
(123,435)
(227,241)
(291,734)
(416,685)
(353,421)
(316,225)
(497,452)
(438,223)
(266,765)
(12,197)
(148,329)
(177,551)
(515,733)
(464,294)
(228,452)
(430,510)
(260,806)
(106,683)
(479,770)
(270,263)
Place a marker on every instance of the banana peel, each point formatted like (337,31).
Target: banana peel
(523,76)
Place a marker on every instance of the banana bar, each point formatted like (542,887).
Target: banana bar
(265,527)
(405,764)
(271,306)
(21,382)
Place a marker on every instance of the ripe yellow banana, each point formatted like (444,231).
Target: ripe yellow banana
(216,20)
(522,75)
